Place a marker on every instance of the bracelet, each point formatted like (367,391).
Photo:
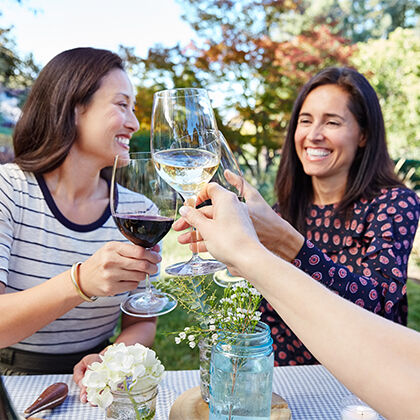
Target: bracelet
(74,277)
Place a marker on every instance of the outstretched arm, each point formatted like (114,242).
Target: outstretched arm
(376,359)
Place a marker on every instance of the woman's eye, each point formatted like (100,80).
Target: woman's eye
(333,123)
(304,121)
(123,104)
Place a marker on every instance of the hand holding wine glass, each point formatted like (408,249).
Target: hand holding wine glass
(143,206)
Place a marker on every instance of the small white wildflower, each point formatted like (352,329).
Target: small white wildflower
(191,344)
(177,340)
(191,337)
(182,335)
(214,337)
(226,347)
(212,327)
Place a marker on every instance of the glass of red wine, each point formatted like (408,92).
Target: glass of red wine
(143,207)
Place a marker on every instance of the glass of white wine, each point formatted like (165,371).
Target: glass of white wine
(185,144)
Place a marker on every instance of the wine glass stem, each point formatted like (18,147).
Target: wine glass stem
(148,288)
(191,201)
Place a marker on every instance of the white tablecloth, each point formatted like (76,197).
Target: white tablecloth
(311,392)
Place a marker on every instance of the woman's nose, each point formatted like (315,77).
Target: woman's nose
(315,132)
(132,122)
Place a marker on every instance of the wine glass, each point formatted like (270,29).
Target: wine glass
(185,144)
(227,162)
(143,207)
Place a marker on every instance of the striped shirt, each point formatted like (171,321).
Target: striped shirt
(37,243)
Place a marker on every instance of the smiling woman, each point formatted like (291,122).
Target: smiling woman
(343,216)
(64,266)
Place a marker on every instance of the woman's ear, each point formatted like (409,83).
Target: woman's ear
(78,112)
(362,140)
(76,115)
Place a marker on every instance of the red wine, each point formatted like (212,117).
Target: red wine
(143,230)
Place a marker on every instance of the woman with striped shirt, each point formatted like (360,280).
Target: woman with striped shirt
(54,213)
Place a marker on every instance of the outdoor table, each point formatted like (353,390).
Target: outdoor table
(311,392)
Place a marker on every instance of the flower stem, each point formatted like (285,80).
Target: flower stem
(198,293)
(133,401)
(234,374)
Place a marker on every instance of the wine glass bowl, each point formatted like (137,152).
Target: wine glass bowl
(143,207)
(228,162)
(187,169)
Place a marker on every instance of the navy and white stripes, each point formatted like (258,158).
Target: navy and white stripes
(36,243)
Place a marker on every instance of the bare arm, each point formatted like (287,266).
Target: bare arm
(115,268)
(137,330)
(375,358)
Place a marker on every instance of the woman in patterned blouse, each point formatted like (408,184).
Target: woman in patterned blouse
(346,219)
(375,358)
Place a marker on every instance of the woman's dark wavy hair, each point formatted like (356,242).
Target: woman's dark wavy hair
(46,129)
(372,168)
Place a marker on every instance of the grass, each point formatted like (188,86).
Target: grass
(181,357)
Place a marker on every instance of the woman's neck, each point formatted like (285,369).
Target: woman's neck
(327,191)
(78,191)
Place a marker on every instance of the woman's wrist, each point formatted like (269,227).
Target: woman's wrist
(288,240)
(75,278)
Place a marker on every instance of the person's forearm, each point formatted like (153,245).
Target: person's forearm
(134,331)
(24,313)
(280,237)
(375,358)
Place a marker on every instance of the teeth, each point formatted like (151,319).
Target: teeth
(317,152)
(123,140)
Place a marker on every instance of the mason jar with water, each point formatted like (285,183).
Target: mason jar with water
(241,376)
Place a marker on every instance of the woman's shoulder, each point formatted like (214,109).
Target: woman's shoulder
(16,180)
(396,203)
(14,173)
(397,196)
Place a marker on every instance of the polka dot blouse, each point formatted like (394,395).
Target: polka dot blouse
(363,260)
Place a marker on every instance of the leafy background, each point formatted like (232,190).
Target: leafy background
(253,56)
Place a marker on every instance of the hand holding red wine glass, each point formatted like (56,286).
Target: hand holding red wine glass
(143,207)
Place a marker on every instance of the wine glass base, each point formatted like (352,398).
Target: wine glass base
(144,305)
(198,267)
(223,278)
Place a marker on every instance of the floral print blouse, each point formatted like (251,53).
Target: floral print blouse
(363,260)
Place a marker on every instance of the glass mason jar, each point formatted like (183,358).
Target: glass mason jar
(241,376)
(204,347)
(136,405)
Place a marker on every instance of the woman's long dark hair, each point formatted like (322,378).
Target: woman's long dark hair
(372,168)
(46,129)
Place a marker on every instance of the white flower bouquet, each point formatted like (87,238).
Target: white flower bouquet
(131,369)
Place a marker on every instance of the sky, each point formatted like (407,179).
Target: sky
(58,25)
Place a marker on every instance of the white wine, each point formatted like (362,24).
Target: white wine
(186,170)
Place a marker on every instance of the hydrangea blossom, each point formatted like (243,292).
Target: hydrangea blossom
(122,368)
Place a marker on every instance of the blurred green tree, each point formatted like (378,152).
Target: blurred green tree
(15,72)
(357,20)
(393,67)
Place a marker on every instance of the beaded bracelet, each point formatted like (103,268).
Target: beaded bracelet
(74,277)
